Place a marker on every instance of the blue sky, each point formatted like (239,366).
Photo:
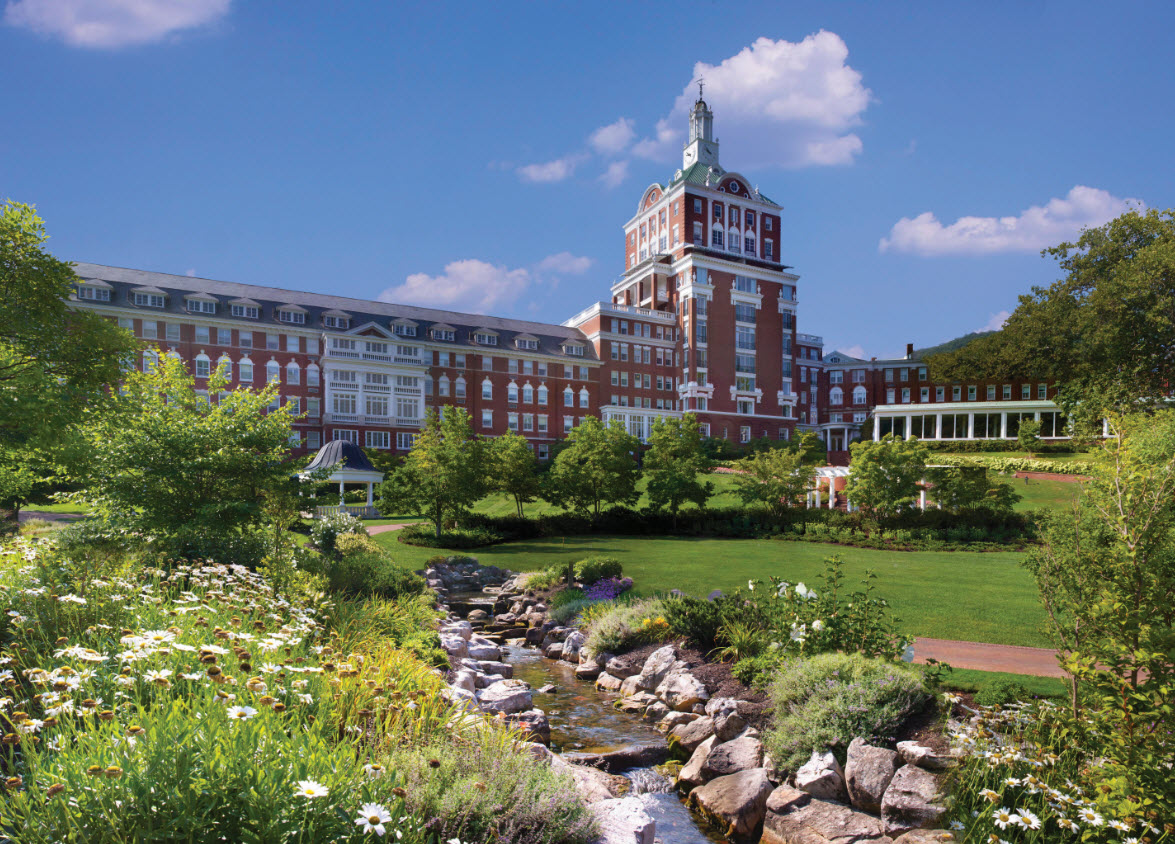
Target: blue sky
(453,154)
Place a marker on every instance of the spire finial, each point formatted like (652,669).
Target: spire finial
(701,85)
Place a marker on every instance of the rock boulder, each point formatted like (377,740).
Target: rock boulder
(911,801)
(737,802)
(822,777)
(730,757)
(868,771)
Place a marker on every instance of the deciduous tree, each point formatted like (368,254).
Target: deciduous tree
(674,463)
(515,469)
(596,467)
(886,474)
(444,473)
(776,479)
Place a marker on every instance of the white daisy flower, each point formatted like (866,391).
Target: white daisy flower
(242,713)
(372,818)
(1003,817)
(311,789)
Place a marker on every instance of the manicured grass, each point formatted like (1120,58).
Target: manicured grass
(503,505)
(56,507)
(969,680)
(1048,495)
(962,595)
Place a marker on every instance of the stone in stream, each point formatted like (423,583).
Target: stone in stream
(911,801)
(455,646)
(533,724)
(572,645)
(623,821)
(924,836)
(655,712)
(868,771)
(617,666)
(630,686)
(693,774)
(509,696)
(737,802)
(657,667)
(478,615)
(466,680)
(690,735)
(822,777)
(594,785)
(485,680)
(491,667)
(589,670)
(818,822)
(554,650)
(608,682)
(550,688)
(624,759)
(727,722)
(672,719)
(730,757)
(682,690)
(457,628)
(483,649)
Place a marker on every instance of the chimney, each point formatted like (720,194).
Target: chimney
(909,351)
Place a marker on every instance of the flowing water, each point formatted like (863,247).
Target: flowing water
(582,720)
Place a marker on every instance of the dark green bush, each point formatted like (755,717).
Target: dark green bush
(424,536)
(1001,692)
(368,573)
(695,619)
(758,671)
(595,569)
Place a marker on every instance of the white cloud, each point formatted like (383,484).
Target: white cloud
(775,103)
(551,171)
(565,262)
(615,173)
(852,351)
(467,285)
(112,23)
(997,321)
(479,286)
(614,138)
(1033,229)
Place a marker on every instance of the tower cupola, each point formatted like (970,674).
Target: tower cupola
(701,147)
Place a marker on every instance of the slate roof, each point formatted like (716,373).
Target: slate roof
(697,173)
(337,452)
(269,299)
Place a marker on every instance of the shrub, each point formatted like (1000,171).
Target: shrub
(697,620)
(565,613)
(742,641)
(460,537)
(758,671)
(1001,692)
(826,701)
(565,596)
(543,580)
(594,569)
(347,544)
(325,530)
(372,573)
(620,626)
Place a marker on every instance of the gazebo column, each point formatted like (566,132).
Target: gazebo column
(370,492)
(342,499)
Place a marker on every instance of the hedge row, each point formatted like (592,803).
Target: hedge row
(1011,465)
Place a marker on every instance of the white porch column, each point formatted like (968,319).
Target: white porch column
(938,426)
(876,427)
(832,493)
(370,492)
(909,425)
(341,499)
(1004,425)
(971,425)
(922,498)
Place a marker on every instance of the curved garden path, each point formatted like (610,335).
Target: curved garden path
(386,528)
(1013,659)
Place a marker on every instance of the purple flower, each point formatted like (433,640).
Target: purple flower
(608,589)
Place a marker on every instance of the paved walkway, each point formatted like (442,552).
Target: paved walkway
(1039,662)
(386,528)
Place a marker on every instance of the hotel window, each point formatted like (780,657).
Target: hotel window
(889,375)
(487,419)
(405,440)
(336,322)
(202,366)
(956,393)
(294,405)
(93,294)
(716,237)
(768,223)
(245,371)
(226,364)
(905,374)
(273,342)
(529,345)
(528,421)
(527,394)
(349,435)
(375,406)
(718,211)
(377,439)
(407,409)
(905,395)
(313,408)
(202,334)
(991,392)
(443,385)
(1042,391)
(836,376)
(583,398)
(292,317)
(459,388)
(922,373)
(200,306)
(292,344)
(150,329)
(889,396)
(245,311)
(512,365)
(173,331)
(528,367)
(149,300)
(971,393)
(293,373)
(925,394)
(744,433)
(312,376)
(273,372)
(858,395)
(744,312)
(512,393)
(940,394)
(768,249)
(542,423)
(837,396)
(443,334)
(573,349)
(403,330)
(542,395)
(1025,391)
(1007,392)
(313,440)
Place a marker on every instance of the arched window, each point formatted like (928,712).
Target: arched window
(273,371)
(151,360)
(174,355)
(225,363)
(858,395)
(245,370)
(527,393)
(836,396)
(487,389)
(749,243)
(443,385)
(203,365)
(543,394)
(583,397)
(312,375)
(293,373)
(733,241)
(512,393)
(459,387)
(569,397)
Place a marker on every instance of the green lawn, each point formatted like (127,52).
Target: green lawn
(962,595)
(1049,495)
(968,680)
(66,507)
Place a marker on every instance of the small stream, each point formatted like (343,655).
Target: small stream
(583,721)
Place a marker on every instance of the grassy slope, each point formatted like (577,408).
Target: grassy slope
(969,596)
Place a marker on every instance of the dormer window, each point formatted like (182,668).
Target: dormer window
(443,332)
(336,322)
(201,306)
(93,293)
(149,298)
(291,314)
(527,343)
(485,338)
(404,329)
(246,311)
(573,349)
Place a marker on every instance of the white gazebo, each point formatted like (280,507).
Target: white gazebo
(348,465)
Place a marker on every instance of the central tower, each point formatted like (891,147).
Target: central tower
(701,147)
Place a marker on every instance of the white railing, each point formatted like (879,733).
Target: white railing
(402,359)
(362,511)
(342,353)
(407,391)
(375,356)
(376,388)
(342,417)
(377,420)
(407,423)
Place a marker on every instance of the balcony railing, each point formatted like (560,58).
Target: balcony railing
(342,417)
(342,353)
(402,422)
(377,357)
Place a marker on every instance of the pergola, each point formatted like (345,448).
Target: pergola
(824,480)
(348,465)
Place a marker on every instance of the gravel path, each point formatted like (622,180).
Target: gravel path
(1013,659)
